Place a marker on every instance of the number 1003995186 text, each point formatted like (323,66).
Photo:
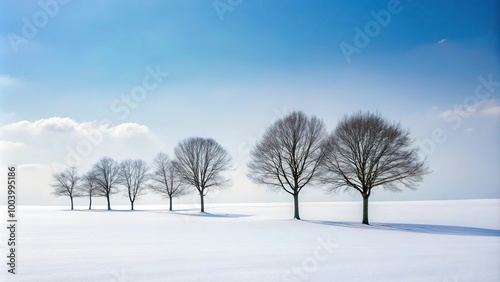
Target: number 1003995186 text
(11,219)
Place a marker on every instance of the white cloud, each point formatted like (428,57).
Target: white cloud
(43,146)
(68,125)
(67,141)
(30,166)
(480,108)
(8,81)
(128,130)
(492,111)
(5,145)
(442,41)
(10,146)
(49,124)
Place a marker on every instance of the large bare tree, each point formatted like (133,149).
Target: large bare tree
(106,172)
(365,151)
(288,155)
(166,179)
(133,175)
(88,187)
(66,183)
(201,163)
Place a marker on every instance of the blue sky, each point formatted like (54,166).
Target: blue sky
(231,74)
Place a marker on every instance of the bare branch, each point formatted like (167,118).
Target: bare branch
(88,187)
(201,163)
(66,183)
(289,154)
(106,172)
(166,179)
(133,174)
(365,151)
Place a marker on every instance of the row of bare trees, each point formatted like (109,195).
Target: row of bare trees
(363,152)
(200,164)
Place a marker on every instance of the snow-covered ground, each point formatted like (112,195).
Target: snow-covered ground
(407,241)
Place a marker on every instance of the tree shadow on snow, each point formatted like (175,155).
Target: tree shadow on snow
(108,211)
(186,212)
(207,214)
(416,228)
(196,212)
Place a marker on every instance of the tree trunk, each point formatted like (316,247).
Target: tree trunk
(109,204)
(170,202)
(365,210)
(131,205)
(71,198)
(296,205)
(201,202)
(90,202)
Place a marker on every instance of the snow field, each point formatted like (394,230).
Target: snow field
(407,241)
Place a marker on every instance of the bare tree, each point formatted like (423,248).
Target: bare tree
(106,172)
(66,183)
(288,155)
(133,175)
(202,163)
(166,179)
(88,187)
(365,151)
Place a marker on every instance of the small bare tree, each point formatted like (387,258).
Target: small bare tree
(166,179)
(133,175)
(66,183)
(288,155)
(202,163)
(106,172)
(88,187)
(365,152)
